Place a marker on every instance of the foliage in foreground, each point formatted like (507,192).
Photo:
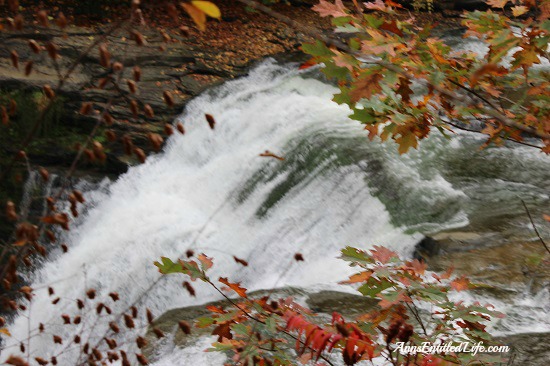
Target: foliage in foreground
(268,331)
(401,80)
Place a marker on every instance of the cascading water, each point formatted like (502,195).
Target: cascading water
(211,191)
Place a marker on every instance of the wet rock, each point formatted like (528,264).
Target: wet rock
(528,349)
(427,247)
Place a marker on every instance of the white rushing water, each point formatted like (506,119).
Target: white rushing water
(211,191)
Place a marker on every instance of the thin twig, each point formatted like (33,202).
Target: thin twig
(535,227)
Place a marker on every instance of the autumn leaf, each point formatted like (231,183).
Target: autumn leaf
(198,16)
(487,69)
(406,142)
(215,309)
(366,87)
(208,8)
(167,266)
(206,263)
(223,331)
(497,3)
(241,291)
(383,254)
(460,284)
(325,9)
(519,10)
(5,331)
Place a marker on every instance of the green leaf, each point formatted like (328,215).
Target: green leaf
(317,49)
(167,266)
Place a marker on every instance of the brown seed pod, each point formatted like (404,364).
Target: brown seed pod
(128,321)
(66,319)
(11,214)
(51,236)
(53,360)
(99,307)
(168,98)
(86,108)
(127,144)
(114,327)
(150,316)
(97,354)
(52,50)
(41,361)
(44,174)
(184,30)
(41,328)
(156,140)
(102,83)
(91,294)
(108,119)
(189,253)
(168,129)
(117,66)
(57,339)
(298,257)
(134,312)
(79,196)
(189,288)
(138,38)
(22,347)
(64,247)
(28,68)
(141,359)
(18,21)
(185,327)
(111,343)
(61,20)
(104,56)
(141,342)
(240,261)
(165,36)
(14,59)
(136,72)
(134,108)
(35,47)
(77,339)
(114,296)
(159,333)
(148,110)
(16,361)
(180,128)
(211,121)
(48,91)
(56,300)
(89,154)
(132,86)
(77,319)
(42,18)
(140,154)
(110,135)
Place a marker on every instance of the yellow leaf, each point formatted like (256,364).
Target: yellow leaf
(208,8)
(5,331)
(198,16)
(519,10)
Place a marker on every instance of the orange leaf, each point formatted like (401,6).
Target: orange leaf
(460,284)
(215,309)
(241,291)
(198,16)
(519,10)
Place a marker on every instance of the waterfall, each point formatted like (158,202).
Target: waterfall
(211,191)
